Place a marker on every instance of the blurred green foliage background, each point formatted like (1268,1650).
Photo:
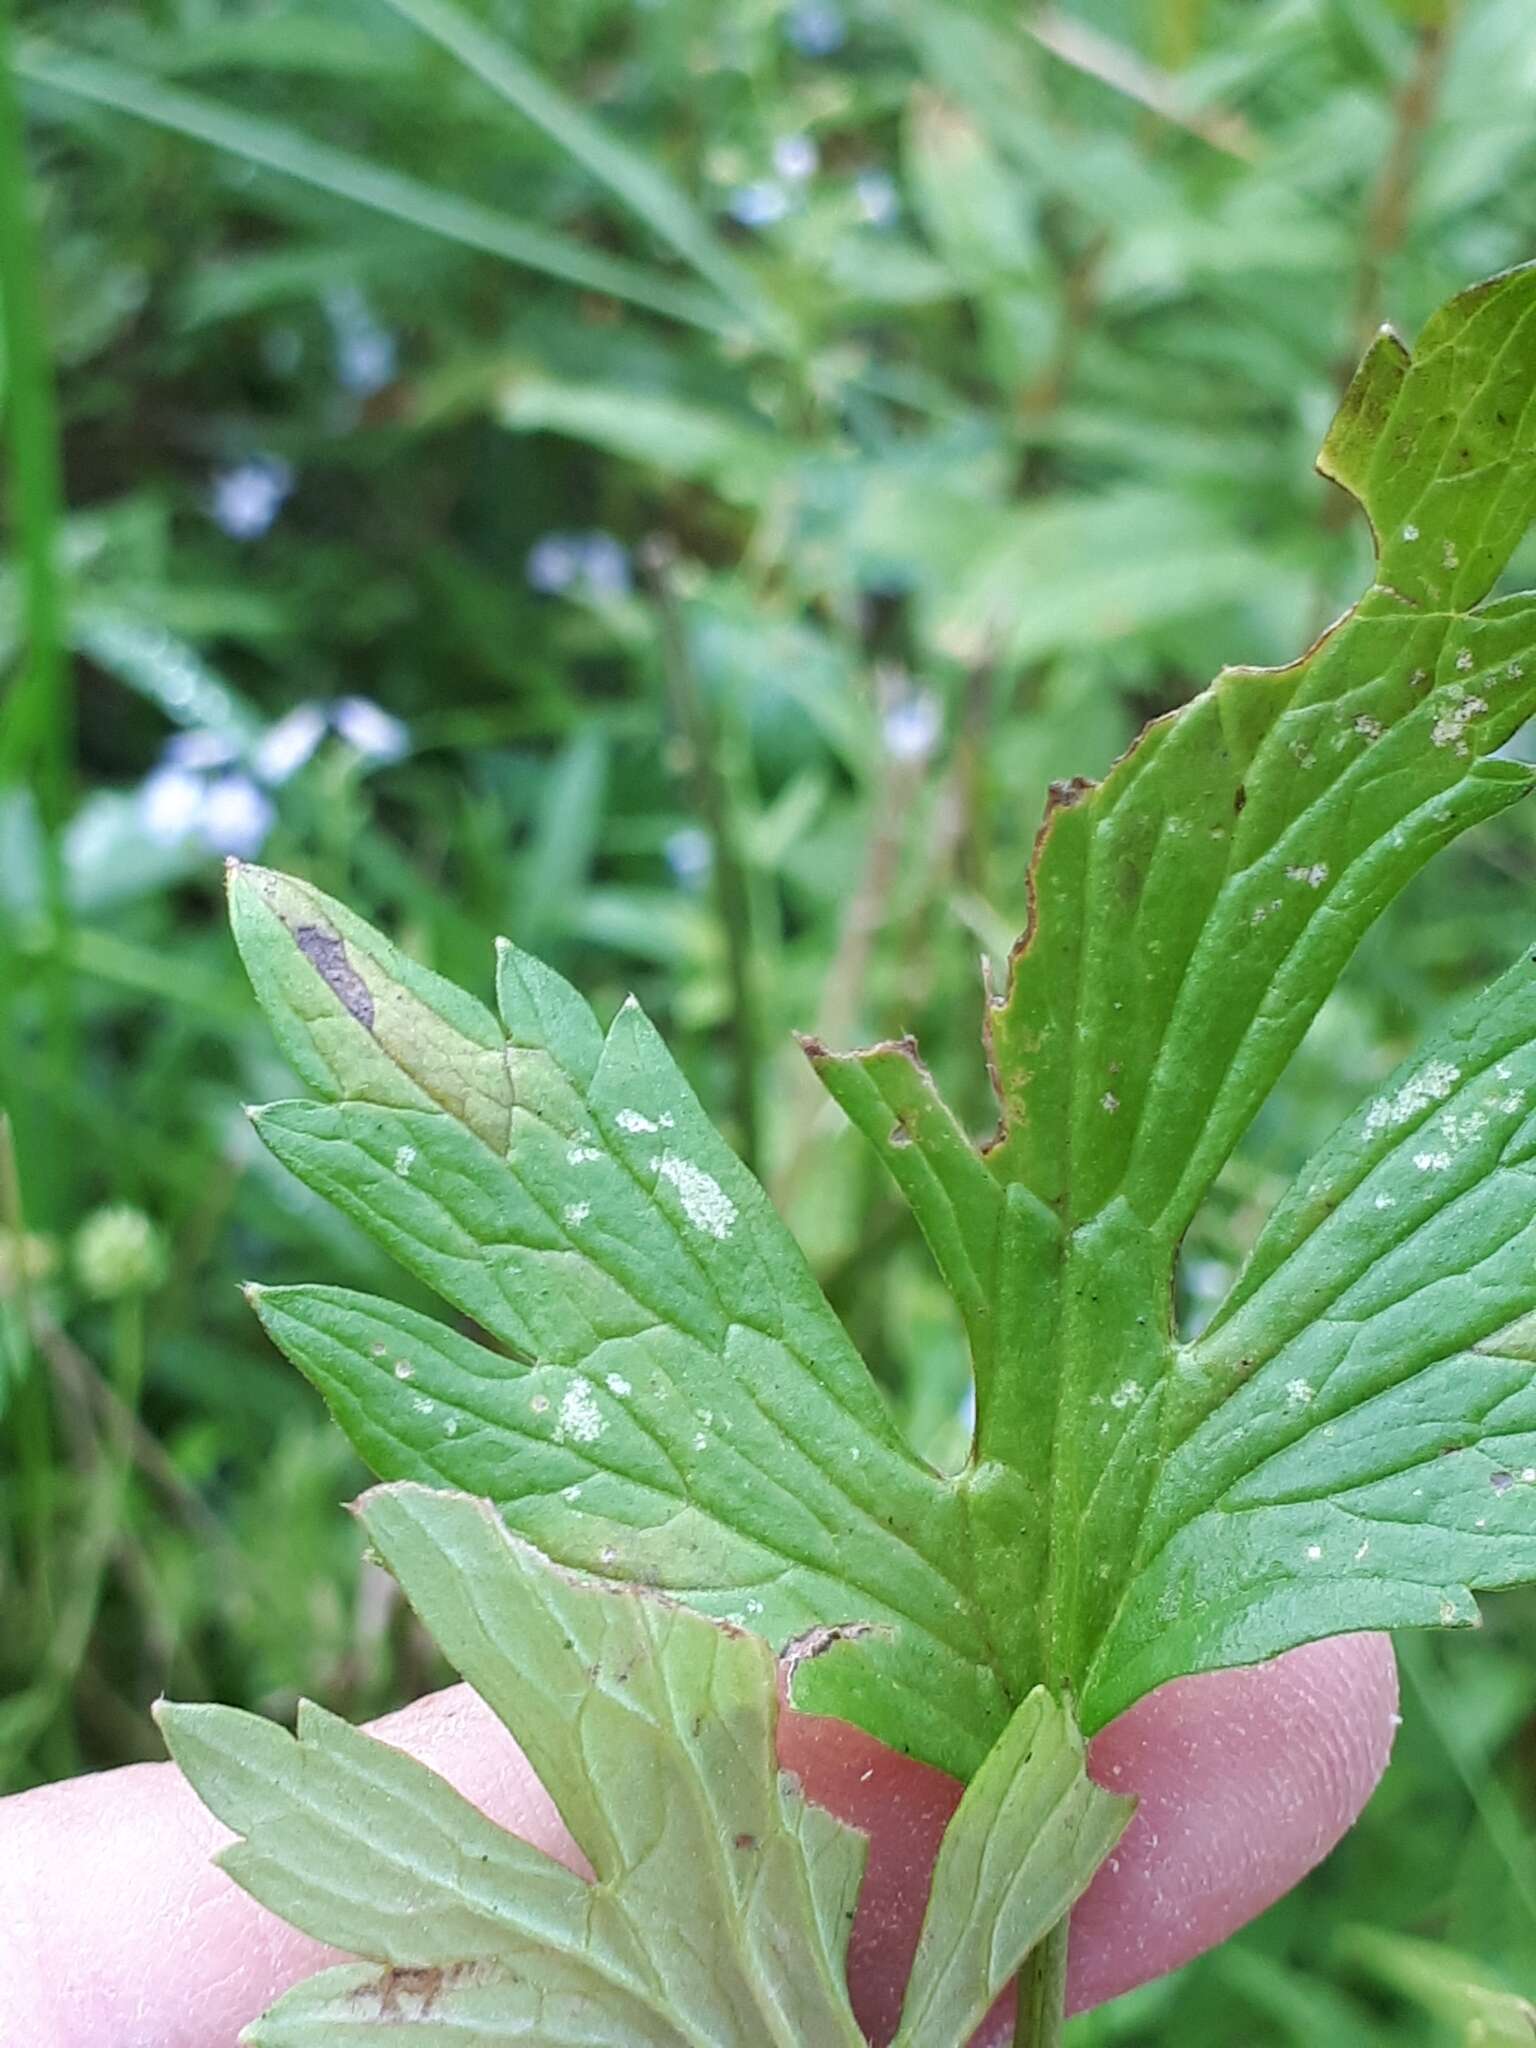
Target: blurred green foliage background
(671,481)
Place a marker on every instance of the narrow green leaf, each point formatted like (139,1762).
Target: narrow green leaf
(677,1402)
(257,140)
(1026,1838)
(889,1094)
(1458,1989)
(632,178)
(736,456)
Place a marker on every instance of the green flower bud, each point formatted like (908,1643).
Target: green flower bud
(118,1252)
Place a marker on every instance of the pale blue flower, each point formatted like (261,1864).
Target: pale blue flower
(816,28)
(795,157)
(911,727)
(170,805)
(553,563)
(689,855)
(236,816)
(198,750)
(366,358)
(876,194)
(370,730)
(246,499)
(285,746)
(762,205)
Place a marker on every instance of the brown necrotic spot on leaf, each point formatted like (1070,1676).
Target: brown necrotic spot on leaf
(409,1994)
(327,954)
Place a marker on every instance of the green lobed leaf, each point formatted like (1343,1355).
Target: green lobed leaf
(720,1904)
(674,1401)
(653,1731)
(669,1397)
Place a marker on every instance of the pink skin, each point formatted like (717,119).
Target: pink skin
(117,1929)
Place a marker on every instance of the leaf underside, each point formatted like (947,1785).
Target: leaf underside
(657,1392)
(718,1912)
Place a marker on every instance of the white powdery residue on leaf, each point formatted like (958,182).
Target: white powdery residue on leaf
(1431,1162)
(1464,660)
(1449,556)
(1369,728)
(1512,1103)
(1109,1103)
(1314,1553)
(580,1417)
(1126,1394)
(1385,1202)
(405,1159)
(1314,876)
(577,1212)
(617,1384)
(1363,1552)
(582,1155)
(1299,1391)
(1460,1130)
(451,1426)
(1432,1083)
(700,1441)
(705,1203)
(1450,729)
(423,1406)
(1267,910)
(1410,533)
(637,1125)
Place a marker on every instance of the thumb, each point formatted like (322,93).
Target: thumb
(117,1928)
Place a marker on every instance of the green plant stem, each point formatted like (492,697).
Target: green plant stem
(1389,211)
(1042,2014)
(733,897)
(37,719)
(30,1420)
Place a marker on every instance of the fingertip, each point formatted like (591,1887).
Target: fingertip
(1245,1780)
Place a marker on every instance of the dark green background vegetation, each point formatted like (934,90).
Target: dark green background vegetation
(746,507)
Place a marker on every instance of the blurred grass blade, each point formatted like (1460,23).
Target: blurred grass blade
(37,718)
(165,670)
(35,732)
(1123,70)
(640,185)
(367,184)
